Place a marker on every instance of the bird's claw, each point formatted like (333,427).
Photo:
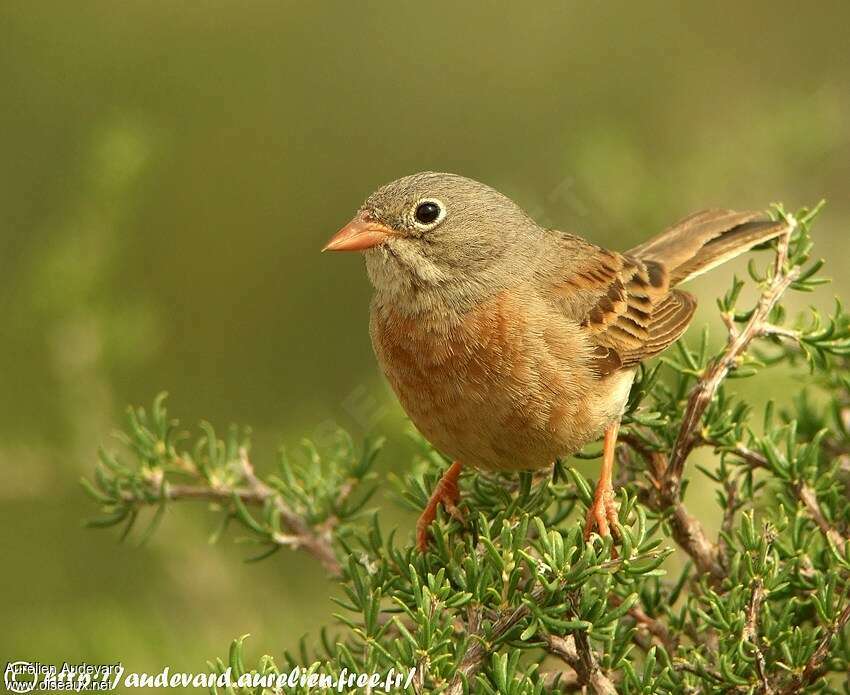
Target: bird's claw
(447,493)
(602,516)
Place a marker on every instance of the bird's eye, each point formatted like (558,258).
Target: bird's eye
(428,212)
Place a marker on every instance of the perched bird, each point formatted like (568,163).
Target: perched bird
(510,345)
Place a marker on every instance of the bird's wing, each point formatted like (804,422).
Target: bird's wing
(624,303)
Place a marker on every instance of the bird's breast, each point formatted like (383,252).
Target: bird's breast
(504,385)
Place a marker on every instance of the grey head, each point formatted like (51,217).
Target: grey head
(437,238)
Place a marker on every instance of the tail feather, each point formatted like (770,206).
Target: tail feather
(706,239)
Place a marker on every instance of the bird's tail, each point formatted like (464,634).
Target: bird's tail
(706,239)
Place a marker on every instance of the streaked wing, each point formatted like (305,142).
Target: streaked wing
(625,304)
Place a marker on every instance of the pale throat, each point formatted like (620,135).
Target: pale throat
(414,284)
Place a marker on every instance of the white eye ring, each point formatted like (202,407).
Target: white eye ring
(424,208)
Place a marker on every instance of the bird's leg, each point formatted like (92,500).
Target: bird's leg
(602,514)
(446,493)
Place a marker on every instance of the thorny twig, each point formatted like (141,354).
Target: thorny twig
(733,505)
(582,660)
(739,340)
(255,492)
(687,530)
(751,634)
(657,629)
(480,642)
(814,667)
(302,535)
(804,493)
(666,471)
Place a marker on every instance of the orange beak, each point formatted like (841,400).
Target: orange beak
(358,235)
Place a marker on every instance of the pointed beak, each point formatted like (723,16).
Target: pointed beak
(358,235)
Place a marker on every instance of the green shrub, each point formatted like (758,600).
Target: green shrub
(511,599)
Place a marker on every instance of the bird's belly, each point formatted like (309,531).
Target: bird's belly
(494,389)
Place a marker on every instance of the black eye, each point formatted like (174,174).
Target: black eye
(427,212)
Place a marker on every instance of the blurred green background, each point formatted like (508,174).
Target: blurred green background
(169,171)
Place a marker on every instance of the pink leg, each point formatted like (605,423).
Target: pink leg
(446,493)
(602,514)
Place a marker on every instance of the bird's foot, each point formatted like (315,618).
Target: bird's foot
(602,514)
(446,493)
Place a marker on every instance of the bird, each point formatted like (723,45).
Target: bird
(510,345)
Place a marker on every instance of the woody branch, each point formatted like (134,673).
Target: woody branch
(254,492)
(666,470)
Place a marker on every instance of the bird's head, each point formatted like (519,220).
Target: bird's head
(437,232)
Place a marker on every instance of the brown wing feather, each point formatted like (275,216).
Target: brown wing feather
(626,301)
(645,319)
(625,304)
